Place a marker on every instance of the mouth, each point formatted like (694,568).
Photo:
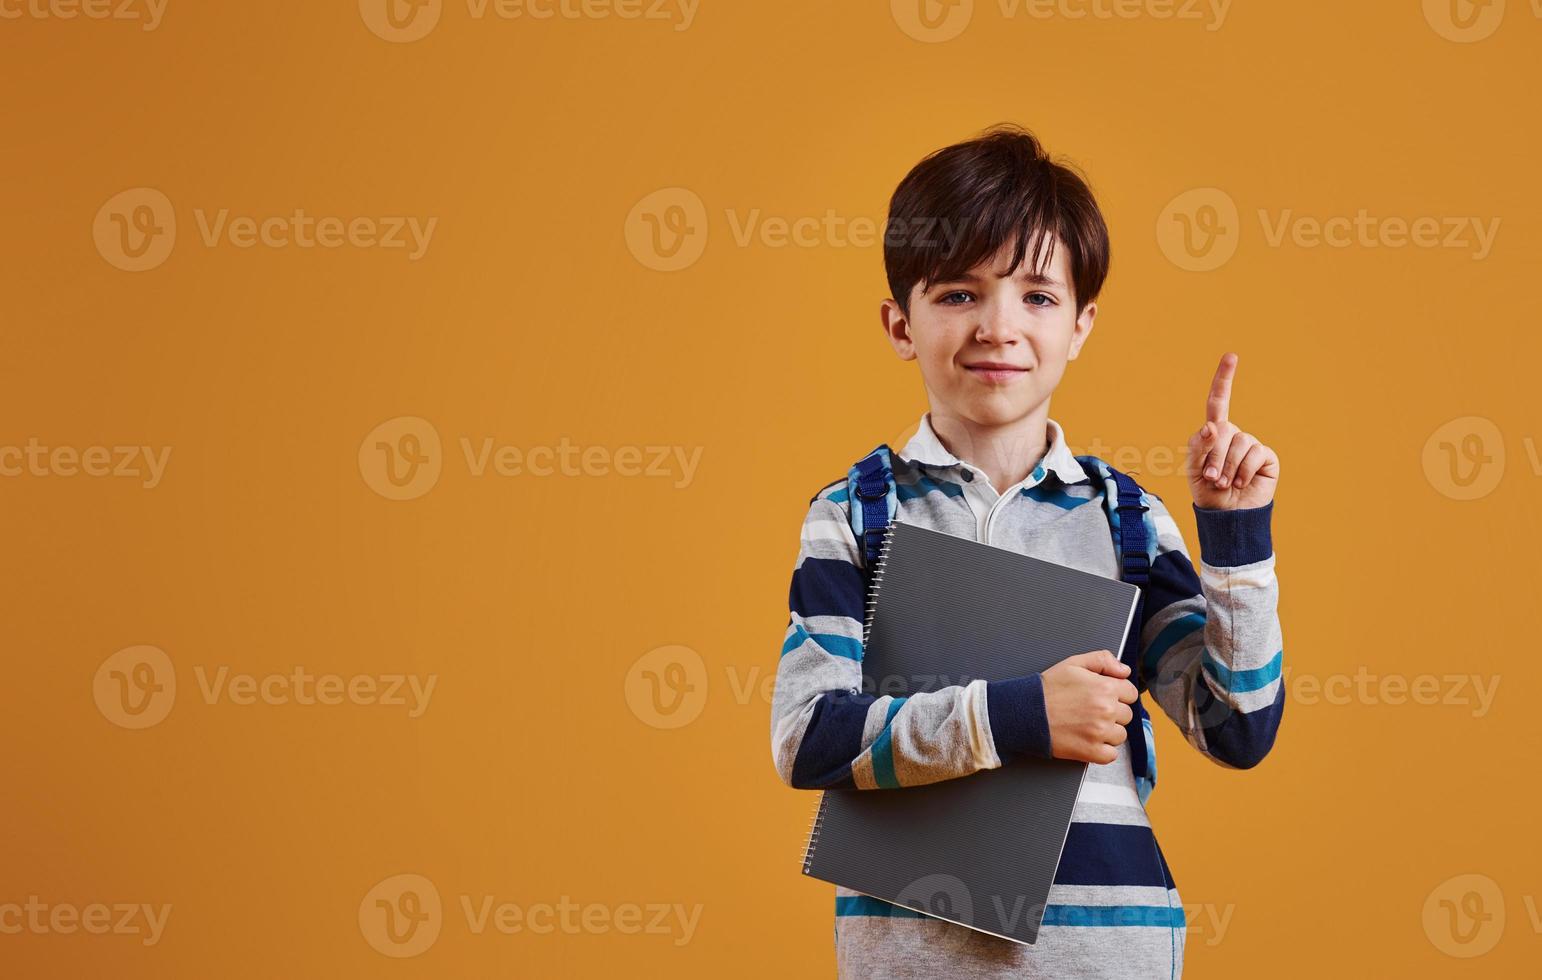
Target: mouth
(996,372)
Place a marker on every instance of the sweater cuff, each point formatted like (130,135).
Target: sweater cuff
(1019,723)
(1234,537)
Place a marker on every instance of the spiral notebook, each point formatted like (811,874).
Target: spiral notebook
(981,850)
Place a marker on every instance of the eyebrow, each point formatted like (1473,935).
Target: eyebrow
(1031,278)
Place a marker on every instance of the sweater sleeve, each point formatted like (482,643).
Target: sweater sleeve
(826,733)
(1211,647)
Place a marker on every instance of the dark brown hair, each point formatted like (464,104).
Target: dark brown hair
(963,203)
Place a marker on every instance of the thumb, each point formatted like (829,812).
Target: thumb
(1101,662)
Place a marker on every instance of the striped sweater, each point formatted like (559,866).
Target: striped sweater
(1210,656)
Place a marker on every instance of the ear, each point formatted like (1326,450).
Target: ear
(896,327)
(1082,330)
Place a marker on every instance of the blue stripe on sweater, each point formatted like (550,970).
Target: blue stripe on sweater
(1173,579)
(794,640)
(831,742)
(1054,493)
(1238,738)
(925,485)
(1111,854)
(883,750)
(1237,681)
(1179,629)
(832,643)
(867,905)
(828,587)
(1157,916)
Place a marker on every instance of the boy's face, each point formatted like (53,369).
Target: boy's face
(992,346)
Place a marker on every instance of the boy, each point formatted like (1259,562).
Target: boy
(992,307)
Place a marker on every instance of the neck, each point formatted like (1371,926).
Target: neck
(1007,453)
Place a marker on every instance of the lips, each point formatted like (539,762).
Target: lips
(996,372)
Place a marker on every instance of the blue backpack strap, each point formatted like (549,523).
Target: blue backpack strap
(874,501)
(1134,542)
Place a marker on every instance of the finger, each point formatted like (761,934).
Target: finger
(1251,464)
(1126,692)
(1239,448)
(1199,449)
(1219,403)
(1216,458)
(1124,715)
(1117,736)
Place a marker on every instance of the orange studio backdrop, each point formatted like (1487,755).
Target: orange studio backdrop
(408,410)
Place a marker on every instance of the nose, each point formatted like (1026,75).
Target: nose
(995,326)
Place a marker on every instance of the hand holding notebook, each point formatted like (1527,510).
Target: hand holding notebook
(981,850)
(1088,703)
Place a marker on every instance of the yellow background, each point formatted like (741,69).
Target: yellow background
(530,320)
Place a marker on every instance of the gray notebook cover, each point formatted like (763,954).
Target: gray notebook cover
(980,851)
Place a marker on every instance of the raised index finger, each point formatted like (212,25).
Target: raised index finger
(1219,401)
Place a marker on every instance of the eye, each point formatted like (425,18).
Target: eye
(955,298)
(1048,300)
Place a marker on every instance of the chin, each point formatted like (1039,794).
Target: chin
(996,413)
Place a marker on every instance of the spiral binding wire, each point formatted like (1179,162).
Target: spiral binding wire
(867,630)
(874,583)
(813,834)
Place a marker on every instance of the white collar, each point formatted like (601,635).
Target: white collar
(924,447)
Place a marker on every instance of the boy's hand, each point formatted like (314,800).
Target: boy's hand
(1087,701)
(1229,469)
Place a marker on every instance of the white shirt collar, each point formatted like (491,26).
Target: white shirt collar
(925,447)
